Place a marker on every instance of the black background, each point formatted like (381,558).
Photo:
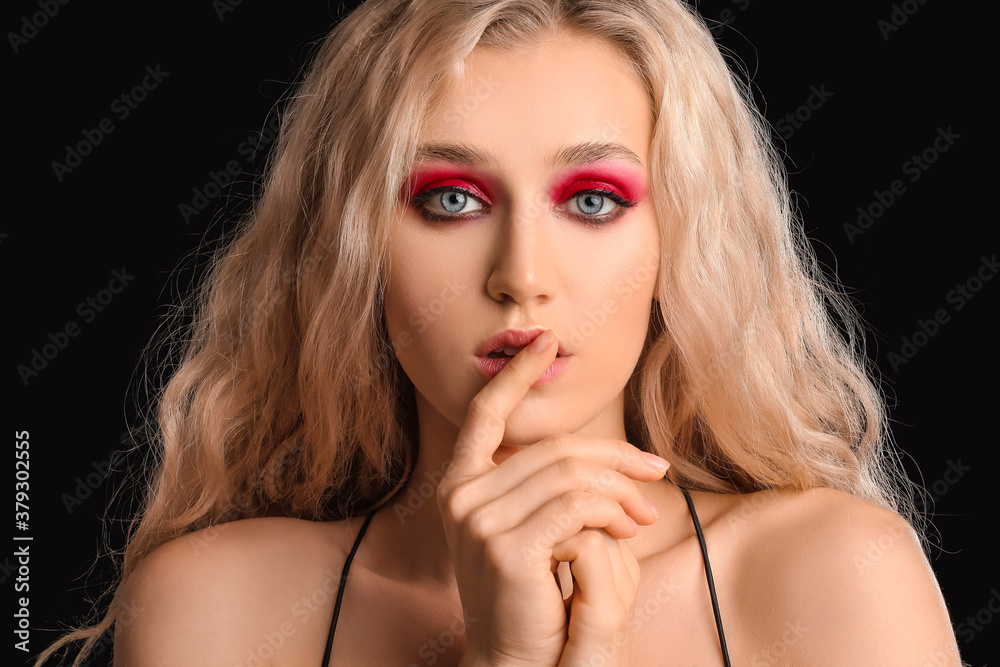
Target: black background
(229,71)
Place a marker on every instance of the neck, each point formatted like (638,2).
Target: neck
(411,520)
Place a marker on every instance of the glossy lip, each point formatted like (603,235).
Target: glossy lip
(489,367)
(514,338)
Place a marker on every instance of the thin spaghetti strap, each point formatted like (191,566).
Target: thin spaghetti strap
(708,574)
(340,590)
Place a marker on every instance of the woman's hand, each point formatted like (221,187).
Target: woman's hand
(565,498)
(609,644)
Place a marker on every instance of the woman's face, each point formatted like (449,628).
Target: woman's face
(511,243)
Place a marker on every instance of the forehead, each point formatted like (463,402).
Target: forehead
(542,103)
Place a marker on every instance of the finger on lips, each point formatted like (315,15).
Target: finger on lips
(482,431)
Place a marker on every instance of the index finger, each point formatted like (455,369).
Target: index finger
(483,428)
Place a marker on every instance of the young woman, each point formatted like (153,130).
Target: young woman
(516,262)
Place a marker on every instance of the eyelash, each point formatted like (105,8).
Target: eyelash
(593,221)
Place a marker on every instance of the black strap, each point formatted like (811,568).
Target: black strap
(701,542)
(708,574)
(340,591)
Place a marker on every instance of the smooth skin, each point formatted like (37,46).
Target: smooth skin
(565,499)
(513,482)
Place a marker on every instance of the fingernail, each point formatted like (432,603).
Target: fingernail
(542,341)
(652,507)
(655,462)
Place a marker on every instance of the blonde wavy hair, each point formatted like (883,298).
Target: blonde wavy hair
(286,400)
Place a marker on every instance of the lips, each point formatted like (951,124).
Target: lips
(513,340)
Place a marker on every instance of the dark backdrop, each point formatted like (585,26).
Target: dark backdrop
(858,92)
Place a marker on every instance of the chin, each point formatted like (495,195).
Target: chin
(522,431)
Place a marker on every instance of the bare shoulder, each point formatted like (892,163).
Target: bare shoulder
(843,582)
(253,587)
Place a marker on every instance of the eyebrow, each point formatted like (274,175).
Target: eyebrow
(578,154)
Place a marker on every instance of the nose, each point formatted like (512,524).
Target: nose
(526,257)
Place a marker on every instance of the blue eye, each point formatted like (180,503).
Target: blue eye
(452,201)
(595,208)
(593,203)
(598,208)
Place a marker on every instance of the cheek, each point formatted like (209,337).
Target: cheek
(622,286)
(426,293)
(427,304)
